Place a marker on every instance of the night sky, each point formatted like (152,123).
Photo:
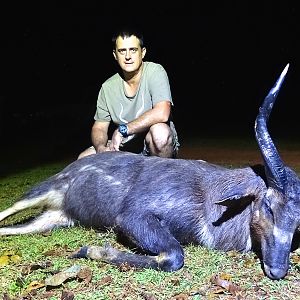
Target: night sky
(221,61)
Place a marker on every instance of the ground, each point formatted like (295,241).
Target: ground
(237,151)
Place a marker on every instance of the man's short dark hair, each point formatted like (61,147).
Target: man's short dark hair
(127,32)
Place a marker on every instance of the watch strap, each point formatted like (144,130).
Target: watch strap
(123,129)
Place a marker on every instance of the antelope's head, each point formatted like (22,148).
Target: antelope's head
(277,216)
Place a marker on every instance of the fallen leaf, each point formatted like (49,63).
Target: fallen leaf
(233,253)
(5,297)
(105,280)
(248,263)
(27,269)
(225,276)
(47,295)
(124,267)
(85,274)
(4,260)
(225,284)
(57,251)
(295,259)
(8,252)
(15,258)
(62,276)
(34,285)
(12,252)
(181,297)
(9,256)
(175,281)
(67,295)
(147,296)
(218,290)
(50,253)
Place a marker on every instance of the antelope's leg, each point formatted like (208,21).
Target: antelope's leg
(149,235)
(37,198)
(45,222)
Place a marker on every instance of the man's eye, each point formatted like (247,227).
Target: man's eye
(122,51)
(133,50)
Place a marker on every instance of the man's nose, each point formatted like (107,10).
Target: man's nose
(128,54)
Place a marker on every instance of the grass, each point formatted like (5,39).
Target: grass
(26,261)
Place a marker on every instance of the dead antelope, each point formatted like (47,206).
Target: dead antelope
(161,204)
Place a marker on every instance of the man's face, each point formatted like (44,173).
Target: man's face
(129,54)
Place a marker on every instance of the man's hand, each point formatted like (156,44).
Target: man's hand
(116,141)
(103,149)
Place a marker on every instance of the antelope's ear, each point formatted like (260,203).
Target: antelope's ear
(237,195)
(234,199)
(237,192)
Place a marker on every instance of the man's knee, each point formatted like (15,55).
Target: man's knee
(89,151)
(160,140)
(161,134)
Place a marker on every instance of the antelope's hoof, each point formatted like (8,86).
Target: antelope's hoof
(81,253)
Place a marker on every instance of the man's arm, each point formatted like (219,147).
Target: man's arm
(160,113)
(99,135)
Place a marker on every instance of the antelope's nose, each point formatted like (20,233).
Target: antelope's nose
(276,273)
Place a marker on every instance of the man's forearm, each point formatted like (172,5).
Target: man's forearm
(149,118)
(99,139)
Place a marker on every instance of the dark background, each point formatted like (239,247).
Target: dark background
(221,58)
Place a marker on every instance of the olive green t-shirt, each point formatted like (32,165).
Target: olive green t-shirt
(113,104)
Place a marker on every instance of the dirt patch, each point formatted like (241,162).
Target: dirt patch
(237,153)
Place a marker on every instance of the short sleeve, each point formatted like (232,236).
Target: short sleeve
(102,113)
(159,85)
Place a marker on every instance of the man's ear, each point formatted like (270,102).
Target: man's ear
(144,52)
(114,54)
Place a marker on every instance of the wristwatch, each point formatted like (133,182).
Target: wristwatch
(123,129)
